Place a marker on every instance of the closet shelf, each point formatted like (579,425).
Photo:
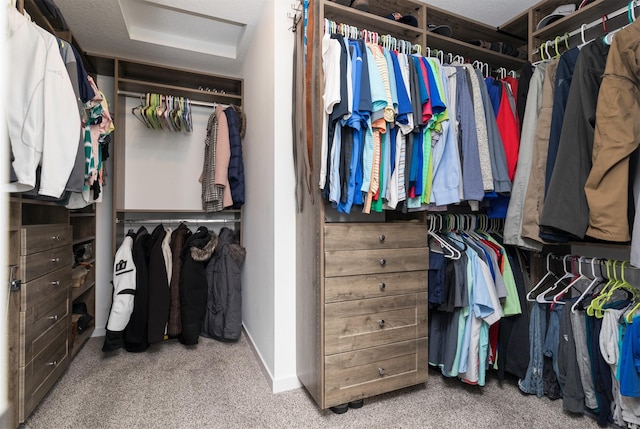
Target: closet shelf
(83,239)
(517,27)
(472,52)
(377,23)
(586,15)
(77,292)
(81,214)
(80,340)
(465,29)
(133,85)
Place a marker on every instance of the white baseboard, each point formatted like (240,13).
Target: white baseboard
(99,332)
(277,385)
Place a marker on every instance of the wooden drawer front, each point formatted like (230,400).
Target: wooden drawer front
(353,325)
(40,374)
(34,347)
(351,263)
(38,238)
(375,285)
(364,373)
(43,288)
(37,320)
(362,236)
(39,264)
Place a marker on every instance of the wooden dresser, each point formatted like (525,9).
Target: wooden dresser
(39,319)
(372,324)
(45,270)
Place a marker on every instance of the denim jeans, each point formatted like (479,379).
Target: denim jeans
(532,382)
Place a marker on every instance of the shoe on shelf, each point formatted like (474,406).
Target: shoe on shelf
(362,5)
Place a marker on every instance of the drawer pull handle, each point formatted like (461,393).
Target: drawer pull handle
(383,286)
(382,238)
(54,363)
(383,262)
(54,318)
(55,260)
(55,283)
(381,323)
(56,237)
(381,371)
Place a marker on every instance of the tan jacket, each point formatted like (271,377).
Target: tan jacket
(617,135)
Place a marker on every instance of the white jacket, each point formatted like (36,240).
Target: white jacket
(124,287)
(42,119)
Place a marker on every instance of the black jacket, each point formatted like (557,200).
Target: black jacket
(178,238)
(158,288)
(223,320)
(135,334)
(193,283)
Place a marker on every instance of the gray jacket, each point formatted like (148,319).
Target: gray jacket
(223,320)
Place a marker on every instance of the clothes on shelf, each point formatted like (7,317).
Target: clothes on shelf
(578,140)
(59,125)
(222,176)
(477,313)
(175,284)
(403,131)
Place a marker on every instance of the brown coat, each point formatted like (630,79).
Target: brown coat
(617,135)
(178,238)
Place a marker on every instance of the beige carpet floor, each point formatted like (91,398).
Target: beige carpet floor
(215,385)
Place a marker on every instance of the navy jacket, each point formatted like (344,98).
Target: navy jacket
(236,166)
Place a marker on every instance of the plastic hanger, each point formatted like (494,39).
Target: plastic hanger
(567,275)
(595,303)
(594,282)
(549,275)
(453,252)
(581,276)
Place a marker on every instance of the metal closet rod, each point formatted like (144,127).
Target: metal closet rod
(193,102)
(169,220)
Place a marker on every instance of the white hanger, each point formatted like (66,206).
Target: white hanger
(454,253)
(581,277)
(540,299)
(596,280)
(549,274)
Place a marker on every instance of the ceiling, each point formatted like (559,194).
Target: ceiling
(206,35)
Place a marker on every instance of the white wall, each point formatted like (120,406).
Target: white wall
(104,230)
(269,215)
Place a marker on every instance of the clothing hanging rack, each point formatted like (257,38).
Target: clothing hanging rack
(630,273)
(192,102)
(386,40)
(171,221)
(602,22)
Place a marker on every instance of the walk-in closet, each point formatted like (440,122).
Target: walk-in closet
(321,213)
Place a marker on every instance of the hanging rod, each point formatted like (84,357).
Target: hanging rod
(585,27)
(169,220)
(193,102)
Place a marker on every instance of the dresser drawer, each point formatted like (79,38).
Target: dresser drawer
(364,373)
(41,373)
(375,285)
(38,238)
(38,320)
(38,264)
(353,325)
(45,287)
(362,236)
(357,262)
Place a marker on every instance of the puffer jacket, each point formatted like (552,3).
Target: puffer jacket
(236,165)
(223,320)
(196,252)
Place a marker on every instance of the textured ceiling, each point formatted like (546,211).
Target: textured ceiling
(207,35)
